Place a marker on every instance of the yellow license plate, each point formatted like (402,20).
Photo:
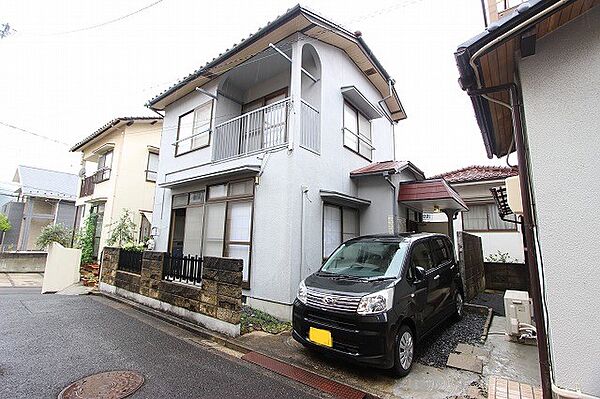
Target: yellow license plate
(321,337)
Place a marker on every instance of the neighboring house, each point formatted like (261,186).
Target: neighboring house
(43,197)
(277,151)
(549,88)
(7,192)
(473,184)
(119,168)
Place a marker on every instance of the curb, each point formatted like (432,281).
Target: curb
(483,310)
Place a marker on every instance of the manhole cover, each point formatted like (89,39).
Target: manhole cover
(109,385)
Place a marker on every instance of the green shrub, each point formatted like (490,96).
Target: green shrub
(122,231)
(4,223)
(85,239)
(55,233)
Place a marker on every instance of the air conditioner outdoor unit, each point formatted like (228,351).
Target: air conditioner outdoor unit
(517,308)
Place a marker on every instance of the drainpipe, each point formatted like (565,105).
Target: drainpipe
(386,176)
(302,231)
(528,229)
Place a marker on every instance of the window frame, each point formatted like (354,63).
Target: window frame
(148,167)
(103,173)
(209,130)
(487,220)
(359,137)
(227,199)
(341,208)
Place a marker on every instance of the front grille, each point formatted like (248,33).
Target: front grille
(329,301)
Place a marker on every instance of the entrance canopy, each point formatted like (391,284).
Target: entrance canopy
(430,196)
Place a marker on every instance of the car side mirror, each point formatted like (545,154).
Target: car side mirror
(419,273)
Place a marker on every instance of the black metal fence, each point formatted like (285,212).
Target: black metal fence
(130,261)
(184,269)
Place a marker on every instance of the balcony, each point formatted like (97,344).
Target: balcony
(255,131)
(87,186)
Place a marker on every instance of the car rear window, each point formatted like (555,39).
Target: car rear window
(367,259)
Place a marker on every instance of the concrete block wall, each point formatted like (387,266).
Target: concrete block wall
(506,276)
(219,296)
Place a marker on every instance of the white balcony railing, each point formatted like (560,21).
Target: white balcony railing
(310,128)
(254,131)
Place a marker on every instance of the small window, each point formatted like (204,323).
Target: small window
(421,256)
(357,132)
(152,167)
(241,188)
(104,166)
(217,191)
(180,200)
(193,130)
(197,197)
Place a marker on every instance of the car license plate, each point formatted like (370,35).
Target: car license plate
(320,337)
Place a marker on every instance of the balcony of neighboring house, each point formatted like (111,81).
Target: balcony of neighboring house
(98,167)
(87,186)
(253,107)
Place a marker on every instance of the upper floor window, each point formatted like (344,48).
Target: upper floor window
(502,5)
(357,132)
(104,166)
(193,130)
(152,167)
(485,217)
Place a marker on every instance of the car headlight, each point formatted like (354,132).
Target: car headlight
(301,295)
(377,302)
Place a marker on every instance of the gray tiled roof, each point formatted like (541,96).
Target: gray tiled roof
(38,182)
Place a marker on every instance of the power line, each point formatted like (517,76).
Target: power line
(34,134)
(108,22)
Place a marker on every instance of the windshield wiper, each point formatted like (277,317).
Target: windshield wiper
(382,278)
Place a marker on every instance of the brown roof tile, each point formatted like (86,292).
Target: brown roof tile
(478,173)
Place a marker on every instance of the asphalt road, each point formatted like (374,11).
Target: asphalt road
(49,341)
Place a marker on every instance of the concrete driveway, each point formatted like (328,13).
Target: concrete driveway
(506,359)
(49,341)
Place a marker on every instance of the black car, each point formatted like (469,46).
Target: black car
(376,296)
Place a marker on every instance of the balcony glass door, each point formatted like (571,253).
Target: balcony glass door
(251,136)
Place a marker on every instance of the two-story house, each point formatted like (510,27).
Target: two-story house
(119,169)
(42,197)
(277,151)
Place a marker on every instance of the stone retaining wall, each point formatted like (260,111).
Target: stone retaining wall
(219,296)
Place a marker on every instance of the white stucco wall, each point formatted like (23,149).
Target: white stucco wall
(276,249)
(561,97)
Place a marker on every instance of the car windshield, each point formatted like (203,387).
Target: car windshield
(366,259)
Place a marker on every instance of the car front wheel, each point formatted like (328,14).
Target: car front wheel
(405,350)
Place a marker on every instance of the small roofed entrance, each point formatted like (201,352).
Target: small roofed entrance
(432,196)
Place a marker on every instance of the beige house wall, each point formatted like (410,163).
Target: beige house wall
(127,187)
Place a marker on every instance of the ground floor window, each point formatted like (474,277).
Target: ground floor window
(216,224)
(485,217)
(339,224)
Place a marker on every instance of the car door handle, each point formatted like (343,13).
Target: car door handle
(436,277)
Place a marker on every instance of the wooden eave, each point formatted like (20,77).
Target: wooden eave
(497,67)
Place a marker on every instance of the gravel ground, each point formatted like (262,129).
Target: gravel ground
(436,347)
(491,300)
